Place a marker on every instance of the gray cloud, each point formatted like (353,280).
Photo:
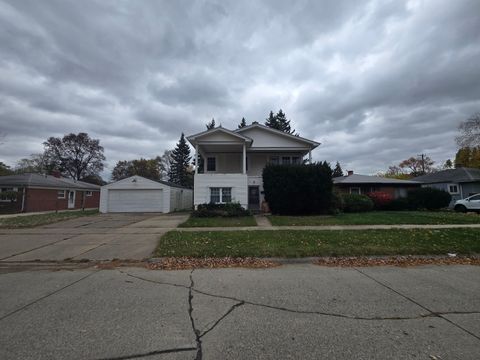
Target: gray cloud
(374,81)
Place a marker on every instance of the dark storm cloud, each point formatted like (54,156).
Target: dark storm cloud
(374,81)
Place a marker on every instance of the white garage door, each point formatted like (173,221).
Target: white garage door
(135,200)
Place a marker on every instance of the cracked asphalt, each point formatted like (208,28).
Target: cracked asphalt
(288,312)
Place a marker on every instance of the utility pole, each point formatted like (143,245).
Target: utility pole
(423,163)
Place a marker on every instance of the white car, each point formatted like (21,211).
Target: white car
(471,203)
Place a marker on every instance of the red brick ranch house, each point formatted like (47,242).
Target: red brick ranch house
(37,192)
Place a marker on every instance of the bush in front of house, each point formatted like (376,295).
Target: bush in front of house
(428,198)
(357,203)
(299,189)
(232,209)
(380,199)
(399,204)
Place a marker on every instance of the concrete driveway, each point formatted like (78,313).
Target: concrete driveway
(289,312)
(101,237)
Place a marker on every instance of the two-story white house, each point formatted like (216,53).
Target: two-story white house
(230,163)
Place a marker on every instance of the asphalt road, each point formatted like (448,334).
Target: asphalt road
(289,312)
(100,237)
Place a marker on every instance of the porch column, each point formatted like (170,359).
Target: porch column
(244,158)
(196,160)
(309,156)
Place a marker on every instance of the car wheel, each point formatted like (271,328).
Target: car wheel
(461,208)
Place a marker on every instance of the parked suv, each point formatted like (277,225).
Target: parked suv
(471,203)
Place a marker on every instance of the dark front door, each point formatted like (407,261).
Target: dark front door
(253,198)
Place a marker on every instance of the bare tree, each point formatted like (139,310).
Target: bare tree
(469,132)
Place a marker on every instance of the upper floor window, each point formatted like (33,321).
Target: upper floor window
(211,164)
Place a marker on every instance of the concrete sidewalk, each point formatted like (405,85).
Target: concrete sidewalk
(288,312)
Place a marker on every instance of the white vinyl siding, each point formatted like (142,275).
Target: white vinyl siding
(236,182)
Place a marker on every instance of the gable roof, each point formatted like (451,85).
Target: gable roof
(167,183)
(47,181)
(193,138)
(457,175)
(278,132)
(365,179)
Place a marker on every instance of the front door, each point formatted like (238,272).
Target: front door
(253,198)
(71,199)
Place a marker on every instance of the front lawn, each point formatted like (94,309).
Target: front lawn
(301,243)
(41,219)
(219,221)
(378,218)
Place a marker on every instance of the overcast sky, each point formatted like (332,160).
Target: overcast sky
(374,81)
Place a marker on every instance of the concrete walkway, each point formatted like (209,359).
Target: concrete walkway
(262,221)
(333,227)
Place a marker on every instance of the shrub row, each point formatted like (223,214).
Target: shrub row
(232,209)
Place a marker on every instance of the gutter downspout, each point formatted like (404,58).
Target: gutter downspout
(23,200)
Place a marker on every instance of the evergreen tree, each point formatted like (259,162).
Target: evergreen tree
(180,171)
(271,121)
(448,164)
(211,124)
(337,171)
(242,124)
(279,122)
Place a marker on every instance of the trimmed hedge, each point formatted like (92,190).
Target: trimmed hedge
(232,209)
(357,203)
(428,198)
(299,189)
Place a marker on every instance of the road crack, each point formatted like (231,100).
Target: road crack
(242,302)
(432,313)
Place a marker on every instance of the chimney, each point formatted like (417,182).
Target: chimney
(56,173)
(349,172)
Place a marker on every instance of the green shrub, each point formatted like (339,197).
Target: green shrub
(428,198)
(299,189)
(338,204)
(399,204)
(232,209)
(357,203)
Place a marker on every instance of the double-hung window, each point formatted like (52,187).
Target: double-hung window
(453,189)
(220,195)
(88,193)
(61,194)
(285,160)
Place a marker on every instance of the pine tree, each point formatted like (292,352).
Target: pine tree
(242,124)
(337,171)
(180,164)
(211,124)
(271,121)
(282,122)
(279,122)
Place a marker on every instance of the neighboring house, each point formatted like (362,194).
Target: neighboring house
(231,162)
(363,184)
(37,192)
(459,182)
(138,194)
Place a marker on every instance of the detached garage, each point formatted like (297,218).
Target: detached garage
(138,194)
